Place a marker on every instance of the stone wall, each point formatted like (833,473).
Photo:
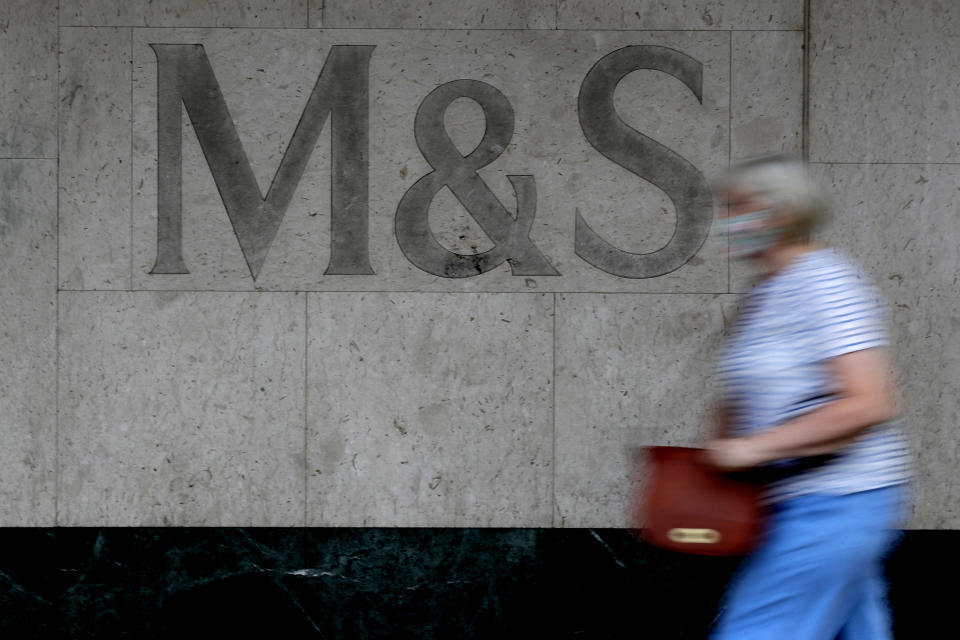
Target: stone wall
(315,312)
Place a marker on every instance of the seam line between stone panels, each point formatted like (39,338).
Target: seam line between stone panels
(909,163)
(553,418)
(56,417)
(306,404)
(729,139)
(130,250)
(522,29)
(437,292)
(805,104)
(56,304)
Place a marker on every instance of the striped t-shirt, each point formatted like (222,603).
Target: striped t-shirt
(774,368)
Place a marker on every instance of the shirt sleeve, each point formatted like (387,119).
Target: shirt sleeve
(846,313)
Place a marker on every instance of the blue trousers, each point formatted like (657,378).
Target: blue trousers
(818,574)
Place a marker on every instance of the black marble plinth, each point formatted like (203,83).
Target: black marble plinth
(395,583)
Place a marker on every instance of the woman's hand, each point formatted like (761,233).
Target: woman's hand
(734,454)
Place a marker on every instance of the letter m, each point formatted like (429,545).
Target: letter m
(185,75)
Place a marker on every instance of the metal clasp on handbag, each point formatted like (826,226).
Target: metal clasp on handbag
(685,535)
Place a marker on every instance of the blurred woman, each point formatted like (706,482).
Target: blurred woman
(807,402)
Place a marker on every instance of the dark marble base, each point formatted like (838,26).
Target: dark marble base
(396,583)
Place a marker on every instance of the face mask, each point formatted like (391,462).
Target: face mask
(750,233)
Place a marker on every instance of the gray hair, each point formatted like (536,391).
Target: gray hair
(783,179)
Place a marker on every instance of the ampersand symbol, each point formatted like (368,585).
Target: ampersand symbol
(510,234)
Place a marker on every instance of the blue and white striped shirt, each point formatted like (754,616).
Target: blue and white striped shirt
(774,368)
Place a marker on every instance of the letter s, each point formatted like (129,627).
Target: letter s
(614,139)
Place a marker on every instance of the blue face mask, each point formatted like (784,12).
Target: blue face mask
(750,233)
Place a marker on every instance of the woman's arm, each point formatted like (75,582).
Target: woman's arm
(864,397)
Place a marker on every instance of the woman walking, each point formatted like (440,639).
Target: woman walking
(807,401)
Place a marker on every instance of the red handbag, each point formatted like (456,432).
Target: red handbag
(686,505)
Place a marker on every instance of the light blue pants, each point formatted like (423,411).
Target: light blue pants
(818,575)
